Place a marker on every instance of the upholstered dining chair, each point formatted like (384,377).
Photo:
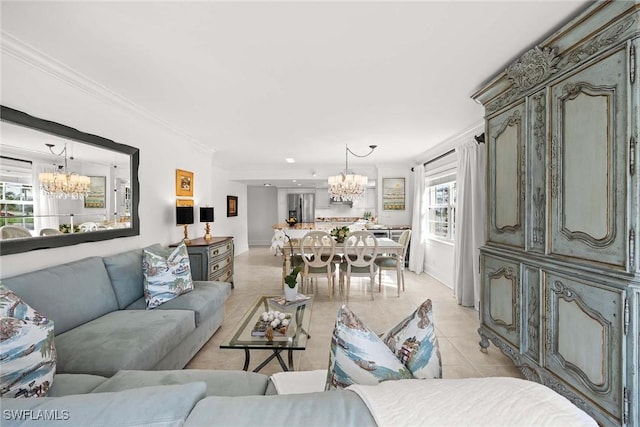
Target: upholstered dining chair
(359,254)
(394,262)
(14,232)
(50,232)
(318,249)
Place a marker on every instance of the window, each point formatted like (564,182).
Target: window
(441,210)
(16,204)
(16,193)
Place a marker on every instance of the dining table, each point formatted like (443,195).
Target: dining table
(386,246)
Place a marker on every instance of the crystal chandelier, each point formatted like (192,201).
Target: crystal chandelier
(348,186)
(63,184)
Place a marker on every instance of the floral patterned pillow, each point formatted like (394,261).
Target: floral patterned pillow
(359,356)
(167,274)
(28,362)
(415,344)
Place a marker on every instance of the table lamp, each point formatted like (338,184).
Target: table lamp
(206,215)
(184,216)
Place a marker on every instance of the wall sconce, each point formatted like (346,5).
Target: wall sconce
(206,215)
(184,216)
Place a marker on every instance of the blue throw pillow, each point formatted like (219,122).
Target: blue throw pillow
(28,362)
(415,344)
(167,274)
(359,356)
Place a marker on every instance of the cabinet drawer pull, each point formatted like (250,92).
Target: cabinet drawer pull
(216,252)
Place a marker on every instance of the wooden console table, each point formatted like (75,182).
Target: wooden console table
(211,259)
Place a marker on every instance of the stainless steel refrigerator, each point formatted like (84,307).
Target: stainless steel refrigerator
(302,206)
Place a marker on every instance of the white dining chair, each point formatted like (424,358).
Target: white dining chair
(318,249)
(359,254)
(88,226)
(14,232)
(50,232)
(394,262)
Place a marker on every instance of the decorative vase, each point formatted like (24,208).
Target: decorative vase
(290,294)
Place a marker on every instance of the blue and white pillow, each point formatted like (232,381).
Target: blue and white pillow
(359,356)
(415,344)
(167,274)
(28,362)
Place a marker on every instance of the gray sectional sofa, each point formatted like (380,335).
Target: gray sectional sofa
(185,397)
(100,317)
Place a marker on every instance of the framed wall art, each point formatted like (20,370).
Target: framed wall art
(232,206)
(184,202)
(184,183)
(97,196)
(393,194)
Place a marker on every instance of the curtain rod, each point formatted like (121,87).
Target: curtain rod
(17,160)
(479,140)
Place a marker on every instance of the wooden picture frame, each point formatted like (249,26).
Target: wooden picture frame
(393,194)
(232,206)
(97,196)
(184,183)
(184,202)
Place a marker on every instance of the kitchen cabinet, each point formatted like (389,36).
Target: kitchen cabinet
(559,271)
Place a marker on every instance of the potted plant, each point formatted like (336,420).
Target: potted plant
(291,280)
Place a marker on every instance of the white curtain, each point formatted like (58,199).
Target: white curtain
(470,222)
(45,208)
(418,231)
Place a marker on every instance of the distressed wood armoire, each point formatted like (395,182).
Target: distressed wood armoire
(560,270)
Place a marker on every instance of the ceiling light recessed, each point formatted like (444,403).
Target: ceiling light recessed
(290,160)
(266,184)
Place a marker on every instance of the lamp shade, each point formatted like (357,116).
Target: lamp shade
(184,215)
(206,214)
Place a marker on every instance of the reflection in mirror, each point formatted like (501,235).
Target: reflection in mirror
(62,185)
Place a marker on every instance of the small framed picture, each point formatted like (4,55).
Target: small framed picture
(184,183)
(96,198)
(232,206)
(184,202)
(393,194)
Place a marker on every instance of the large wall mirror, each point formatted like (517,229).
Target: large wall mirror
(61,187)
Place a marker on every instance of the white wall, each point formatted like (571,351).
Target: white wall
(50,91)
(439,258)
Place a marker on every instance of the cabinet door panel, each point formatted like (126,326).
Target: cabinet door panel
(506,178)
(531,308)
(589,360)
(536,172)
(501,298)
(589,164)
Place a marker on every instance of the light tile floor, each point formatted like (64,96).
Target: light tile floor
(258,271)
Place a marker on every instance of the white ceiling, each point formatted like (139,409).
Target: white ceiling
(260,81)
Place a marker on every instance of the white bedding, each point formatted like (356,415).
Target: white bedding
(469,402)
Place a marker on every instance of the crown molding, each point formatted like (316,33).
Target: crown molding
(14,47)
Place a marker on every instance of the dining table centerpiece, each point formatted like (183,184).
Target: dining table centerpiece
(340,233)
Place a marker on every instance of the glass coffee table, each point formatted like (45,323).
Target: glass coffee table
(295,338)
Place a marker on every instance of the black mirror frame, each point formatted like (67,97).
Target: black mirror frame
(15,246)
